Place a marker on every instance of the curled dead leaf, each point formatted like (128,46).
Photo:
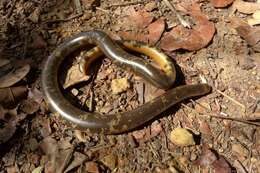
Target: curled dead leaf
(14,76)
(190,39)
(74,76)
(246,7)
(221,3)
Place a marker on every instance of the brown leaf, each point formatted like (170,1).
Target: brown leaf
(38,42)
(29,106)
(74,76)
(221,166)
(91,167)
(155,31)
(140,19)
(15,76)
(204,128)
(206,158)
(78,159)
(250,34)
(10,96)
(7,131)
(49,146)
(190,39)
(246,7)
(125,35)
(221,3)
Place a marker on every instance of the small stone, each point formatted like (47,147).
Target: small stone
(119,85)
(110,161)
(181,137)
(74,91)
(91,167)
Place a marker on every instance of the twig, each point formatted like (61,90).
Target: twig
(185,23)
(222,117)
(124,4)
(240,166)
(221,113)
(233,100)
(103,10)
(11,9)
(64,20)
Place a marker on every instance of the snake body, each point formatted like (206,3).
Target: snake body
(119,122)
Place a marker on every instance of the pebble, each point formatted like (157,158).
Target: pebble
(119,85)
(181,137)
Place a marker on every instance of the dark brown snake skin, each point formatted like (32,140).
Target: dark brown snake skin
(120,122)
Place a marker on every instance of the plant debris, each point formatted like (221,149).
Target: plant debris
(190,39)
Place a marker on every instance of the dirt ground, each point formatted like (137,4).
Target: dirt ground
(218,49)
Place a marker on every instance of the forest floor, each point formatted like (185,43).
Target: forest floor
(215,42)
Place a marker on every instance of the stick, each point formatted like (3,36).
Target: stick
(124,4)
(233,100)
(185,23)
(223,117)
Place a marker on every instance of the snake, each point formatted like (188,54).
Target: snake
(162,77)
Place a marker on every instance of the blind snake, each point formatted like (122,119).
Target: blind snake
(119,122)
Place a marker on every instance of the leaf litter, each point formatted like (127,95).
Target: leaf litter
(207,54)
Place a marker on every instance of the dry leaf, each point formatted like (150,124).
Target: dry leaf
(38,42)
(110,161)
(206,158)
(14,76)
(29,106)
(190,39)
(140,19)
(240,151)
(74,76)
(181,137)
(255,20)
(6,131)
(92,167)
(250,34)
(246,7)
(221,3)
(155,31)
(221,166)
(77,160)
(11,96)
(204,128)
